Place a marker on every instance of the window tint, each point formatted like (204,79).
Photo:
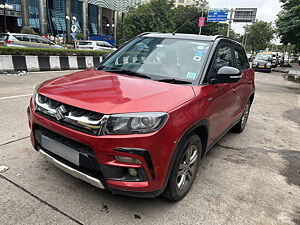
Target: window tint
(43,41)
(224,57)
(26,38)
(19,37)
(161,57)
(240,61)
(85,43)
(33,39)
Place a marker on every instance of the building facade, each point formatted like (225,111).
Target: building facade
(63,17)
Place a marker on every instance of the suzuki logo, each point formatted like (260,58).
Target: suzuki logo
(60,111)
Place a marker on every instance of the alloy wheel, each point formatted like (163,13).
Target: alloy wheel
(187,167)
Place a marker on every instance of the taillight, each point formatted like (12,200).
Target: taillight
(7,42)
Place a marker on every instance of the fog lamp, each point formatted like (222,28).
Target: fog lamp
(132,172)
(127,159)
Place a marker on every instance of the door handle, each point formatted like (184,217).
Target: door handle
(234,89)
(249,81)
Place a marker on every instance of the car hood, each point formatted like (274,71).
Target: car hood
(110,93)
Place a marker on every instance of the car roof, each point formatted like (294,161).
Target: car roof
(185,36)
(20,34)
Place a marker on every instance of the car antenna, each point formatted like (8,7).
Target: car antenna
(183,24)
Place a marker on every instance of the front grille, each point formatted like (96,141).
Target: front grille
(66,124)
(73,117)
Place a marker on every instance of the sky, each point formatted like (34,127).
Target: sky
(267,10)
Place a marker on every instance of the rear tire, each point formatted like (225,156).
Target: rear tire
(240,126)
(185,168)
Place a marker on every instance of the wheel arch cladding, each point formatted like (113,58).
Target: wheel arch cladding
(202,132)
(251,98)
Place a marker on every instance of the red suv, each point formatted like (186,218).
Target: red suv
(141,122)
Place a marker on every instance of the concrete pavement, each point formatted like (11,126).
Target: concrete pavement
(248,178)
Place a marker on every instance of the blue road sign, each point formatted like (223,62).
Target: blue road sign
(217,15)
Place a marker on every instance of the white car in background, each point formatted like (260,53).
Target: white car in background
(95,45)
(26,41)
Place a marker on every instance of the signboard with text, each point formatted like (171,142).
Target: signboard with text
(217,15)
(11,13)
(246,15)
(201,22)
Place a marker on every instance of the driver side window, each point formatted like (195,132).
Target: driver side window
(223,58)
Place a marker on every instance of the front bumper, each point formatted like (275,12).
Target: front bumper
(75,173)
(261,68)
(154,156)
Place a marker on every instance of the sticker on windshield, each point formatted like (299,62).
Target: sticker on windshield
(197,58)
(160,46)
(199,53)
(201,47)
(191,75)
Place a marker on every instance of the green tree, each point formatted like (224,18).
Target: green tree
(162,16)
(27,30)
(259,35)
(288,23)
(155,16)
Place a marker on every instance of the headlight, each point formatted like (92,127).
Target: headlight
(135,123)
(254,63)
(34,94)
(269,64)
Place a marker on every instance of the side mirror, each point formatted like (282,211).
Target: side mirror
(228,74)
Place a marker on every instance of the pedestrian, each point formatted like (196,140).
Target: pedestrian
(52,38)
(57,40)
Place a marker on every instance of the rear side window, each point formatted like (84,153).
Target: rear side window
(104,44)
(85,43)
(43,41)
(240,60)
(19,37)
(26,38)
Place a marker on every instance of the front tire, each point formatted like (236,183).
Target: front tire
(185,168)
(238,128)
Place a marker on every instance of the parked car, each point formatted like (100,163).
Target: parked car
(95,45)
(26,40)
(141,122)
(263,61)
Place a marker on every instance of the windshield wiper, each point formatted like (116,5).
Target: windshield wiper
(175,81)
(128,72)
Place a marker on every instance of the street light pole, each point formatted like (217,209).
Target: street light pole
(229,23)
(201,7)
(200,30)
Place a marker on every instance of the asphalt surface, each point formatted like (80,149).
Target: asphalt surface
(248,178)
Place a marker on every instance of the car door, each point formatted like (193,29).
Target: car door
(242,89)
(221,99)
(35,42)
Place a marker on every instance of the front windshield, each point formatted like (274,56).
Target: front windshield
(160,58)
(266,57)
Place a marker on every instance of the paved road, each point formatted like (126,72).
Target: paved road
(248,178)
